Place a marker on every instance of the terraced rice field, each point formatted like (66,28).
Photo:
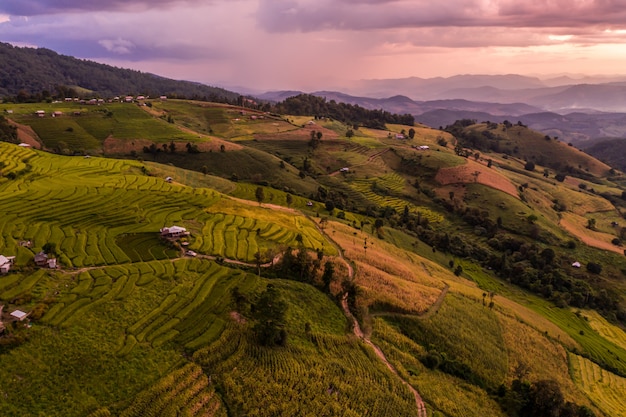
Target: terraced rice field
(186,391)
(381,190)
(257,379)
(189,314)
(606,390)
(105,212)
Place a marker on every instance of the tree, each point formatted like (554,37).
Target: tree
(205,169)
(545,399)
(172,147)
(270,314)
(49,248)
(530,166)
(330,206)
(349,133)
(259,194)
(328,275)
(411,133)
(591,224)
(289,199)
(594,268)
(319,135)
(258,261)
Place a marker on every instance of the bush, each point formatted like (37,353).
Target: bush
(594,268)
(530,166)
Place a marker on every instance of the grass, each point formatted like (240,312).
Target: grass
(461,399)
(605,390)
(95,123)
(449,332)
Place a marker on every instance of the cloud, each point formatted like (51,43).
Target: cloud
(315,15)
(118,46)
(44,7)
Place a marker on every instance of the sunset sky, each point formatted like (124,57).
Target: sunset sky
(314,44)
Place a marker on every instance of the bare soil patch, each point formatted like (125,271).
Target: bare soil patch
(576,226)
(26,134)
(473,172)
(303,133)
(113,145)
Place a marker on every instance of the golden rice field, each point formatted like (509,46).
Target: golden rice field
(606,391)
(542,357)
(605,329)
(461,399)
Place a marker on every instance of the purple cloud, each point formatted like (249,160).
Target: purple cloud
(315,15)
(43,7)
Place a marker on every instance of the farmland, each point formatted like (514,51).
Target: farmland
(140,325)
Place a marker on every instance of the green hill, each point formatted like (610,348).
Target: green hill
(28,73)
(455,260)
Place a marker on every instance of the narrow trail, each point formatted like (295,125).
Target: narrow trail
(356,328)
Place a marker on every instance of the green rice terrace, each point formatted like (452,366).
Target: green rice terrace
(352,275)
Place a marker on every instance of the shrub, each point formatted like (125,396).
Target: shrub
(594,268)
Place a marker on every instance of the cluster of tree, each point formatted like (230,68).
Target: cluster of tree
(29,74)
(306,104)
(538,399)
(517,259)
(8,133)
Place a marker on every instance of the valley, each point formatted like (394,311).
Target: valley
(455,260)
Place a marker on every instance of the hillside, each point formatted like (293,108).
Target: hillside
(26,72)
(455,260)
(611,151)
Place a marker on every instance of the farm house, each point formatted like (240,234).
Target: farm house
(42,260)
(19,314)
(173,232)
(5,263)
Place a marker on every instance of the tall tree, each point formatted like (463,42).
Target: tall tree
(259,194)
(270,314)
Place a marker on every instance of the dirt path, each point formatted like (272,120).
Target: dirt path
(356,329)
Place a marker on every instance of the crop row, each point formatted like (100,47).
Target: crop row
(335,376)
(238,237)
(605,389)
(191,316)
(365,188)
(186,391)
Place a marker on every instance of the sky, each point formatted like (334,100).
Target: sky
(317,44)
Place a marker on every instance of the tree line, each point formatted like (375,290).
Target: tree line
(29,74)
(354,115)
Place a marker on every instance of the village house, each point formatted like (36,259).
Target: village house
(40,113)
(173,232)
(42,260)
(19,314)
(5,263)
